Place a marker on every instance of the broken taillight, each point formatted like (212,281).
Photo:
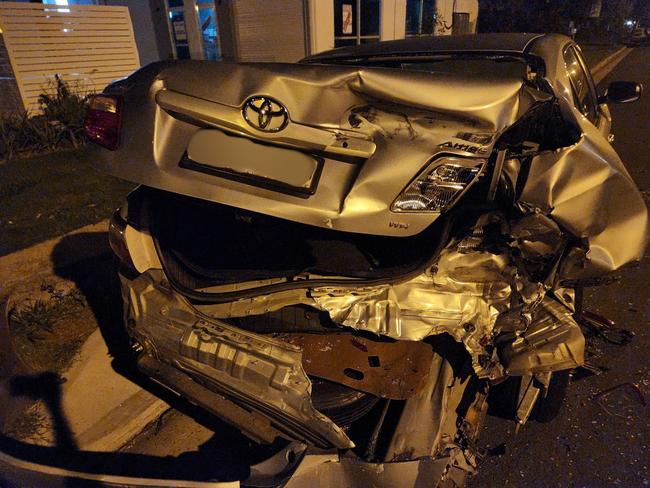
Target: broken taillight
(104,120)
(439,186)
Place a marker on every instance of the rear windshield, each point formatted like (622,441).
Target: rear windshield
(465,65)
(508,68)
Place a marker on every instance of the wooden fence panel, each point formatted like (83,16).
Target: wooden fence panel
(87,45)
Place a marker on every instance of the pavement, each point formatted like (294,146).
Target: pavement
(105,410)
(601,69)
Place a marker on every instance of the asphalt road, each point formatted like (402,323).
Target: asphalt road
(586,446)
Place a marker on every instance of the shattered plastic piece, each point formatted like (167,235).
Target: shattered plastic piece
(606,398)
(587,370)
(604,328)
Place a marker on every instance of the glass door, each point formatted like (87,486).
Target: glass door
(193,29)
(208,28)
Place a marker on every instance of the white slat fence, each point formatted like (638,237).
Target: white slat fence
(88,46)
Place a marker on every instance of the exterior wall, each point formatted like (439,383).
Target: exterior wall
(393,19)
(270,31)
(10,100)
(161,30)
(143,29)
(227,30)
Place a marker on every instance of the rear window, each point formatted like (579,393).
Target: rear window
(500,67)
(494,66)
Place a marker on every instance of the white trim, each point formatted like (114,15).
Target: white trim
(321,25)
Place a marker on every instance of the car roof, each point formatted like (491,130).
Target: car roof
(514,43)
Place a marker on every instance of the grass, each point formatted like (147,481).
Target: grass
(47,333)
(51,194)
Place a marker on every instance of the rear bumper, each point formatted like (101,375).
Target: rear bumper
(255,382)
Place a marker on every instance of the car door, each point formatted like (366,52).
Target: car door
(585,96)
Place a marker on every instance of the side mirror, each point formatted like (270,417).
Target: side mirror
(622,92)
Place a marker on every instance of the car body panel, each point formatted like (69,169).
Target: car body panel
(263,373)
(390,110)
(360,121)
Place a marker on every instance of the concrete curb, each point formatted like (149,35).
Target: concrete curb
(606,65)
(105,410)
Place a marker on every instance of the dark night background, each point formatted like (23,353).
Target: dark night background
(555,15)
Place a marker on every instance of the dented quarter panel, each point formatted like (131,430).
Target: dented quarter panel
(585,187)
(587,190)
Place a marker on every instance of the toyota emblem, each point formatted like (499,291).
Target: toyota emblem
(265,114)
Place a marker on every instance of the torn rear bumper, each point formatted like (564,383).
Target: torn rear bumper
(253,381)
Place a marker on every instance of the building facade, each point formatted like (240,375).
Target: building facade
(287,30)
(264,30)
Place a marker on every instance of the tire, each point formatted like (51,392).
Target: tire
(547,408)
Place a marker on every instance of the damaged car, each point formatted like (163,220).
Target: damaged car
(341,257)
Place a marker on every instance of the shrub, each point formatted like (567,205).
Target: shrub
(66,109)
(59,125)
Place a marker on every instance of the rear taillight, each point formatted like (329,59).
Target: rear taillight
(104,120)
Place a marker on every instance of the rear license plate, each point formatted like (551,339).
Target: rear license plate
(240,159)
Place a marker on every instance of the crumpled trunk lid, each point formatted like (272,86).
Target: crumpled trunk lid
(186,129)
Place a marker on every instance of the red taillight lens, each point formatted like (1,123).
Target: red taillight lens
(104,120)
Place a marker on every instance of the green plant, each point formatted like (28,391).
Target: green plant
(59,124)
(36,320)
(65,109)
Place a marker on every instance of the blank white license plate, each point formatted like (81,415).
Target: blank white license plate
(245,159)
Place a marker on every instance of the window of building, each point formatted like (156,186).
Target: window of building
(356,22)
(187,42)
(70,2)
(420,18)
(178,28)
